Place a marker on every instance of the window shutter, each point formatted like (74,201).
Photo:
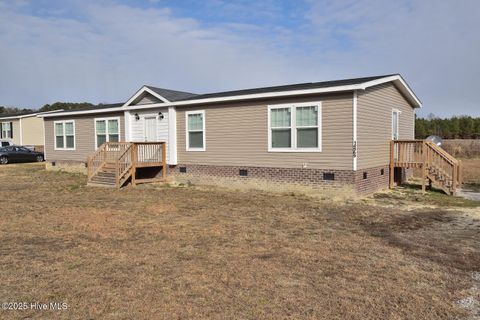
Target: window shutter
(11,130)
(1,130)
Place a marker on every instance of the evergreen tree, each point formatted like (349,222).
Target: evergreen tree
(456,127)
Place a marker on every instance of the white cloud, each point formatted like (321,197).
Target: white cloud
(434,44)
(113,49)
(108,50)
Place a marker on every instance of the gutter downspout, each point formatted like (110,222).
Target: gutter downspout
(354,140)
(21,130)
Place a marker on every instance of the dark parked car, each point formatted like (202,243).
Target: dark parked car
(19,154)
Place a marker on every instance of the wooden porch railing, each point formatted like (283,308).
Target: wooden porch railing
(96,161)
(436,164)
(124,166)
(149,154)
(118,161)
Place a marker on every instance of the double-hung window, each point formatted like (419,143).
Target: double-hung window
(195,130)
(281,126)
(6,130)
(106,130)
(65,135)
(295,127)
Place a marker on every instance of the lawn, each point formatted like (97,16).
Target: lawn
(157,252)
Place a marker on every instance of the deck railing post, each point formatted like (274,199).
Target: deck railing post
(89,167)
(392,162)
(424,167)
(460,174)
(134,163)
(117,175)
(164,161)
(454,178)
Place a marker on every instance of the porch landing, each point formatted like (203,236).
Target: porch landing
(116,163)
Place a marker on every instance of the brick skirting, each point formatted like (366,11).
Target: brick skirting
(283,178)
(376,179)
(345,182)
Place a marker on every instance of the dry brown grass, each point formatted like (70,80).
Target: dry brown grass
(168,253)
(471,171)
(462,148)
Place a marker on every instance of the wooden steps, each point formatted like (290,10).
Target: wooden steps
(116,163)
(105,178)
(439,168)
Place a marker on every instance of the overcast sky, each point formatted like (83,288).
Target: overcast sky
(103,51)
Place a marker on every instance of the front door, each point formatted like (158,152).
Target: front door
(150,129)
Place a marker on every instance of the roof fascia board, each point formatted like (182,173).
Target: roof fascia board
(94,111)
(37,114)
(15,117)
(19,117)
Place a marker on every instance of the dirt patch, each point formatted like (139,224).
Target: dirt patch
(154,253)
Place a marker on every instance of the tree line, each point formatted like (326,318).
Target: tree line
(456,127)
(48,107)
(13,110)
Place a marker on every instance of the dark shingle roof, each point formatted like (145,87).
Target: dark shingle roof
(172,95)
(291,87)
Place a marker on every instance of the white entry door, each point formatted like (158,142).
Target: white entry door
(150,129)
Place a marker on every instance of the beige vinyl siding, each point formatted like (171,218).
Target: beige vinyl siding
(32,131)
(84,136)
(15,129)
(374,123)
(237,135)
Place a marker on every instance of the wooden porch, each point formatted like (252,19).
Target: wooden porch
(438,168)
(115,163)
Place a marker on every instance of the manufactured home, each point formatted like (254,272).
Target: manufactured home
(348,135)
(25,129)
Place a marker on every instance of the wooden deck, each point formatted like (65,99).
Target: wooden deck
(437,166)
(114,163)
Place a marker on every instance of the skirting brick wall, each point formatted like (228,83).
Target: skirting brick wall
(346,182)
(283,178)
(373,181)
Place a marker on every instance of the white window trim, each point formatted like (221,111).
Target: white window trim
(8,132)
(63,122)
(398,112)
(106,128)
(187,136)
(293,127)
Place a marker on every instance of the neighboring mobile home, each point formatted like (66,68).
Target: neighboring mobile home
(25,129)
(330,135)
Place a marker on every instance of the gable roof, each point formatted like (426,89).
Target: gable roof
(291,87)
(295,90)
(172,95)
(179,98)
(162,94)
